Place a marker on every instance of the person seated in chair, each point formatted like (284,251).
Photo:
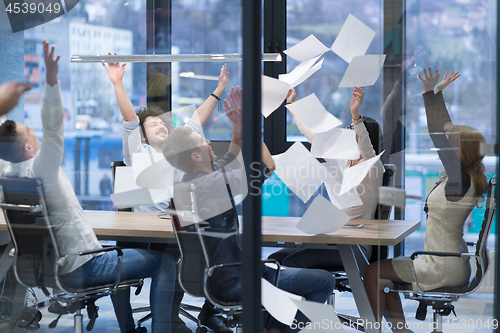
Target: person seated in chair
(146,132)
(214,180)
(31,158)
(367,138)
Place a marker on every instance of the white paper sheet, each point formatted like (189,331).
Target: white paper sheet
(322,217)
(333,184)
(300,171)
(128,194)
(337,143)
(353,39)
(363,71)
(141,161)
(306,49)
(322,317)
(273,94)
(313,114)
(278,302)
(353,176)
(185,111)
(302,72)
(159,175)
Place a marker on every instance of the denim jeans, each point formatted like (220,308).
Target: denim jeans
(314,285)
(137,264)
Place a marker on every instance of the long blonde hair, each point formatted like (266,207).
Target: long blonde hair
(468,140)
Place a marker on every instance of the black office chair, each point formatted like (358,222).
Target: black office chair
(441,299)
(114,165)
(183,308)
(37,258)
(196,270)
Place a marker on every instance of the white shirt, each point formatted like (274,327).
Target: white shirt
(72,231)
(132,144)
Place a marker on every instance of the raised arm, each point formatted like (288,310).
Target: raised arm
(115,73)
(290,98)
(437,118)
(48,159)
(233,108)
(203,113)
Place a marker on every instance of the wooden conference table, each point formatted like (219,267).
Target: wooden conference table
(276,232)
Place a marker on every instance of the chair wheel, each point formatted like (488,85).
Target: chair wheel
(201,329)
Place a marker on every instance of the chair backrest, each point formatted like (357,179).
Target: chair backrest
(22,201)
(194,259)
(114,165)
(383,211)
(192,235)
(192,264)
(482,242)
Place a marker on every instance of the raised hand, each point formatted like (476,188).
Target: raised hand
(446,81)
(356,101)
(223,78)
(429,81)
(290,97)
(233,106)
(51,65)
(115,72)
(10,92)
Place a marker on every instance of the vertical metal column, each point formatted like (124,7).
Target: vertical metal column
(251,270)
(275,42)
(496,314)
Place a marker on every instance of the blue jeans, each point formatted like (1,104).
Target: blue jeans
(314,285)
(137,264)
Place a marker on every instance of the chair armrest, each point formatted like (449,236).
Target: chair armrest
(120,258)
(104,249)
(211,269)
(441,254)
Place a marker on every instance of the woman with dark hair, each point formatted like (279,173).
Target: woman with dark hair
(367,138)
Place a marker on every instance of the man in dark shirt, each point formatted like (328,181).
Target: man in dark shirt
(218,183)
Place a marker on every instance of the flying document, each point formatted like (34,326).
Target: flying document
(322,217)
(313,114)
(127,194)
(302,72)
(335,144)
(333,184)
(307,49)
(354,175)
(274,93)
(363,71)
(300,171)
(279,302)
(353,39)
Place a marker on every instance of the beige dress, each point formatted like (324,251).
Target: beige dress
(443,233)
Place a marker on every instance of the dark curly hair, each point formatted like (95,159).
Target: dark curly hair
(11,143)
(154,111)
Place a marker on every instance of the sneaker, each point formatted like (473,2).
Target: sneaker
(180,327)
(216,324)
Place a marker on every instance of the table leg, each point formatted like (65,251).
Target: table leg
(354,268)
